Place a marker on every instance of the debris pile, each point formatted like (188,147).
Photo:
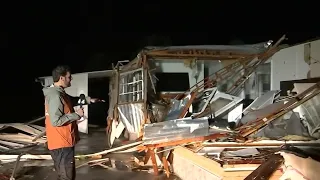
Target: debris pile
(25,135)
(210,122)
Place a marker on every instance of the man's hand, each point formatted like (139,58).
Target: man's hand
(80,112)
(94,100)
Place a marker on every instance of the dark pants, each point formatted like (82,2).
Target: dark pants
(64,163)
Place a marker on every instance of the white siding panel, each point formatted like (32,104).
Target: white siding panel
(288,64)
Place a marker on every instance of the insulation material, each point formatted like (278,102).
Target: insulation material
(184,162)
(203,168)
(182,167)
(297,168)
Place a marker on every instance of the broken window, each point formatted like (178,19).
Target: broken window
(131,86)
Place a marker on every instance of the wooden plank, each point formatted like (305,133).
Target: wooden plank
(25,128)
(40,128)
(166,166)
(265,170)
(154,161)
(246,173)
(27,156)
(4,126)
(15,137)
(4,148)
(127,146)
(273,177)
(19,138)
(11,144)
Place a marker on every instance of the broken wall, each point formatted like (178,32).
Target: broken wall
(314,59)
(259,82)
(296,62)
(212,66)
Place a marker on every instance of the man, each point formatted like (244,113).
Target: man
(61,122)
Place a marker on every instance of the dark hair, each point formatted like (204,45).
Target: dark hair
(60,71)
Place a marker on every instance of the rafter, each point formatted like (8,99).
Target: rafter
(196,53)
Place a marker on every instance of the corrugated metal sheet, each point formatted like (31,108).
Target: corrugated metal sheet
(131,116)
(310,112)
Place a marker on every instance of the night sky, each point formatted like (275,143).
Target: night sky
(90,35)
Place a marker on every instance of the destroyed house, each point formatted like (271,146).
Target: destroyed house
(222,136)
(159,73)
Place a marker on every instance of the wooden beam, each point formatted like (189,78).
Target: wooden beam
(265,170)
(202,54)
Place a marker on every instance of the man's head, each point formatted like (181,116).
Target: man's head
(62,76)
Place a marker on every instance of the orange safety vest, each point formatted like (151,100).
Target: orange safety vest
(62,136)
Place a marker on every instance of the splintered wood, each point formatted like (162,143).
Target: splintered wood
(23,137)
